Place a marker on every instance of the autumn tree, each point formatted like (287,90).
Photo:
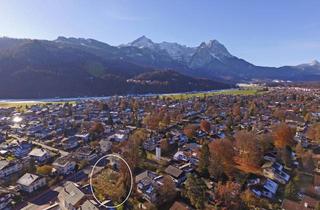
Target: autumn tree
(248,148)
(265,142)
(236,110)
(205,126)
(44,170)
(132,149)
(299,150)
(167,191)
(190,130)
(96,128)
(283,135)
(221,158)
(307,162)
(286,157)
(195,191)
(252,202)
(228,194)
(279,114)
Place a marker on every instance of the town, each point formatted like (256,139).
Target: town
(248,150)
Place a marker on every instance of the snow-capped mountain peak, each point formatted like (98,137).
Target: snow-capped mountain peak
(142,42)
(216,48)
(315,63)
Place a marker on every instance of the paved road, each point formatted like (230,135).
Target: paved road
(62,152)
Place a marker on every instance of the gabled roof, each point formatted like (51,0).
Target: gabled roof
(27,179)
(37,152)
(3,164)
(71,193)
(87,205)
(173,171)
(146,174)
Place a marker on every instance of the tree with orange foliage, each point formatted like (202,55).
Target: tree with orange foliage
(96,128)
(283,136)
(190,130)
(167,191)
(248,148)
(205,126)
(236,110)
(228,194)
(221,158)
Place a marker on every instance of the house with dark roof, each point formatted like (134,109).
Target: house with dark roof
(9,167)
(64,165)
(177,175)
(86,153)
(275,171)
(148,183)
(6,198)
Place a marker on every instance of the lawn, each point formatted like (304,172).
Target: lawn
(184,96)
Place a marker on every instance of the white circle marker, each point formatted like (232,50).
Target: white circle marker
(131,179)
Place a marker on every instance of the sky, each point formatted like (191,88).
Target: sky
(264,32)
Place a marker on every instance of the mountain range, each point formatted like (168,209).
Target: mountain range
(71,67)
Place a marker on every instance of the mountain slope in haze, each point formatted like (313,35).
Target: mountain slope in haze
(86,67)
(39,69)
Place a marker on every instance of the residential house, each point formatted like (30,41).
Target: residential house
(71,197)
(148,183)
(64,165)
(86,153)
(118,137)
(270,189)
(180,156)
(177,175)
(69,143)
(22,149)
(9,167)
(275,171)
(5,199)
(31,182)
(39,154)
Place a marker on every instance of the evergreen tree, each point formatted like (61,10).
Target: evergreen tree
(195,190)
(204,159)
(291,191)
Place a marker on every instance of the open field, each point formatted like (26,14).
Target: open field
(184,96)
(23,104)
(177,96)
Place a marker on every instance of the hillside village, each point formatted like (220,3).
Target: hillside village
(222,151)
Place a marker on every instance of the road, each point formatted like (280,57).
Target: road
(62,152)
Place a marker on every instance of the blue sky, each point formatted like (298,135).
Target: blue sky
(264,32)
